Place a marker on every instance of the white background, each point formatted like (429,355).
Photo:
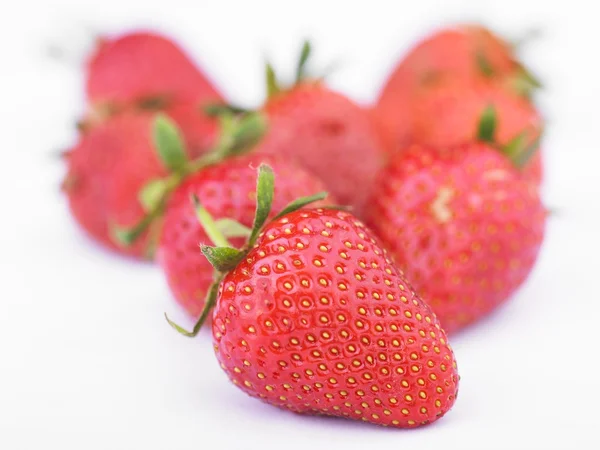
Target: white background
(86,359)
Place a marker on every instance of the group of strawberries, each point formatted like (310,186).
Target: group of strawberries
(312,310)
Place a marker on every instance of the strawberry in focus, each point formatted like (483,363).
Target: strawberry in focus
(312,316)
(226,191)
(463,223)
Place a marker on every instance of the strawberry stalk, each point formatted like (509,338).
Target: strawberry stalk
(302,75)
(223,257)
(524,82)
(487,124)
(218,109)
(518,150)
(238,136)
(301,68)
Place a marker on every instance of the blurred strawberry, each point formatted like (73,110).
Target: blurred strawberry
(464,225)
(467,52)
(326,132)
(451,111)
(143,70)
(112,162)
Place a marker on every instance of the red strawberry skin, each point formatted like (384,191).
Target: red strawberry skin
(226,191)
(140,65)
(464,225)
(113,161)
(448,112)
(318,320)
(455,51)
(329,135)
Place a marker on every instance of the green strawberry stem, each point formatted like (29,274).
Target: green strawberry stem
(522,158)
(274,86)
(272,83)
(517,150)
(239,135)
(487,124)
(218,109)
(209,225)
(127,236)
(524,83)
(265,191)
(301,202)
(168,142)
(225,258)
(209,303)
(232,228)
(515,146)
(301,68)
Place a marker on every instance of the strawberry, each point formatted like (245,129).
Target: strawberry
(463,223)
(113,161)
(326,132)
(143,70)
(451,111)
(312,316)
(223,190)
(467,52)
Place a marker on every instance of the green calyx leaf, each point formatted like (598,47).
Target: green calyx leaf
(127,236)
(520,150)
(238,136)
(209,224)
(152,194)
(218,109)
(524,83)
(209,302)
(223,259)
(483,63)
(300,203)
(486,129)
(249,131)
(273,86)
(525,156)
(232,229)
(265,188)
(169,143)
(516,146)
(301,67)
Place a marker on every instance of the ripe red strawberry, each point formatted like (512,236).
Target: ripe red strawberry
(313,317)
(326,132)
(143,70)
(329,135)
(467,52)
(113,161)
(223,189)
(449,112)
(463,223)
